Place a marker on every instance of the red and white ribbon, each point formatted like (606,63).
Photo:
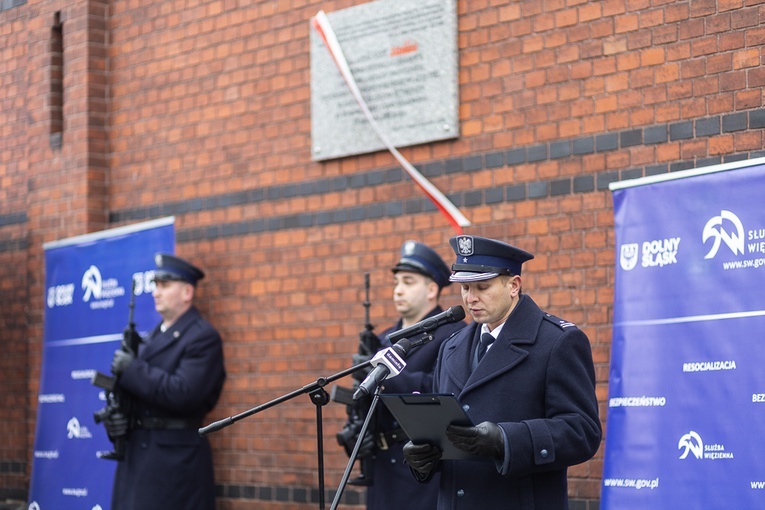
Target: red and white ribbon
(321,24)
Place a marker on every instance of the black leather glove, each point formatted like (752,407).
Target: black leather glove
(358,359)
(350,434)
(422,459)
(130,339)
(116,425)
(485,439)
(121,361)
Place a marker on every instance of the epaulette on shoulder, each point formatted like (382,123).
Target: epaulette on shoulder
(561,323)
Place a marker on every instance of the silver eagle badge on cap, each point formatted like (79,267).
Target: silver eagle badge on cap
(465,244)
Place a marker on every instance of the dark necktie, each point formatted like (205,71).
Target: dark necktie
(486,340)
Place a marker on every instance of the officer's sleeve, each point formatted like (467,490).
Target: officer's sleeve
(570,432)
(192,384)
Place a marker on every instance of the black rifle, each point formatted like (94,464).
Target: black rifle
(357,410)
(118,401)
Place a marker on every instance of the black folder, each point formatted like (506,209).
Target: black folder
(425,416)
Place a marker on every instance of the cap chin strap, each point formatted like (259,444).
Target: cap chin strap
(467,277)
(479,268)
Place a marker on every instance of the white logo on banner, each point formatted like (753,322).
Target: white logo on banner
(715,229)
(33,506)
(91,283)
(102,291)
(628,256)
(691,443)
(97,507)
(60,295)
(76,431)
(655,253)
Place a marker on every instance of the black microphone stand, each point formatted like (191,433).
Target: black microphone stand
(319,397)
(357,447)
(418,340)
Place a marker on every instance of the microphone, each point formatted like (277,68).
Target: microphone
(453,314)
(391,360)
(387,361)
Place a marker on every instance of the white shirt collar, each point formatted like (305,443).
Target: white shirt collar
(495,333)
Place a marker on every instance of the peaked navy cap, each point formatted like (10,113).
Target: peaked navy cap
(479,258)
(170,267)
(422,259)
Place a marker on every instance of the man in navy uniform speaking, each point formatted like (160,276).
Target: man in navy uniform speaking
(526,380)
(173,380)
(419,277)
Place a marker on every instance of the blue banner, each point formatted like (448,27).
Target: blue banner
(687,385)
(88,282)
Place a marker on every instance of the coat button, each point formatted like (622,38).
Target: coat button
(543,453)
(466,408)
(460,493)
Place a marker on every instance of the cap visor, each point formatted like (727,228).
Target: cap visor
(467,276)
(168,276)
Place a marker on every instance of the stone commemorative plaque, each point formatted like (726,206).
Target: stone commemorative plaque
(403,56)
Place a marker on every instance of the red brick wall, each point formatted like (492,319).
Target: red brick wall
(202,111)
(14,371)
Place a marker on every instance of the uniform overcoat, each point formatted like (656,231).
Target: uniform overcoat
(537,382)
(394,487)
(177,374)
